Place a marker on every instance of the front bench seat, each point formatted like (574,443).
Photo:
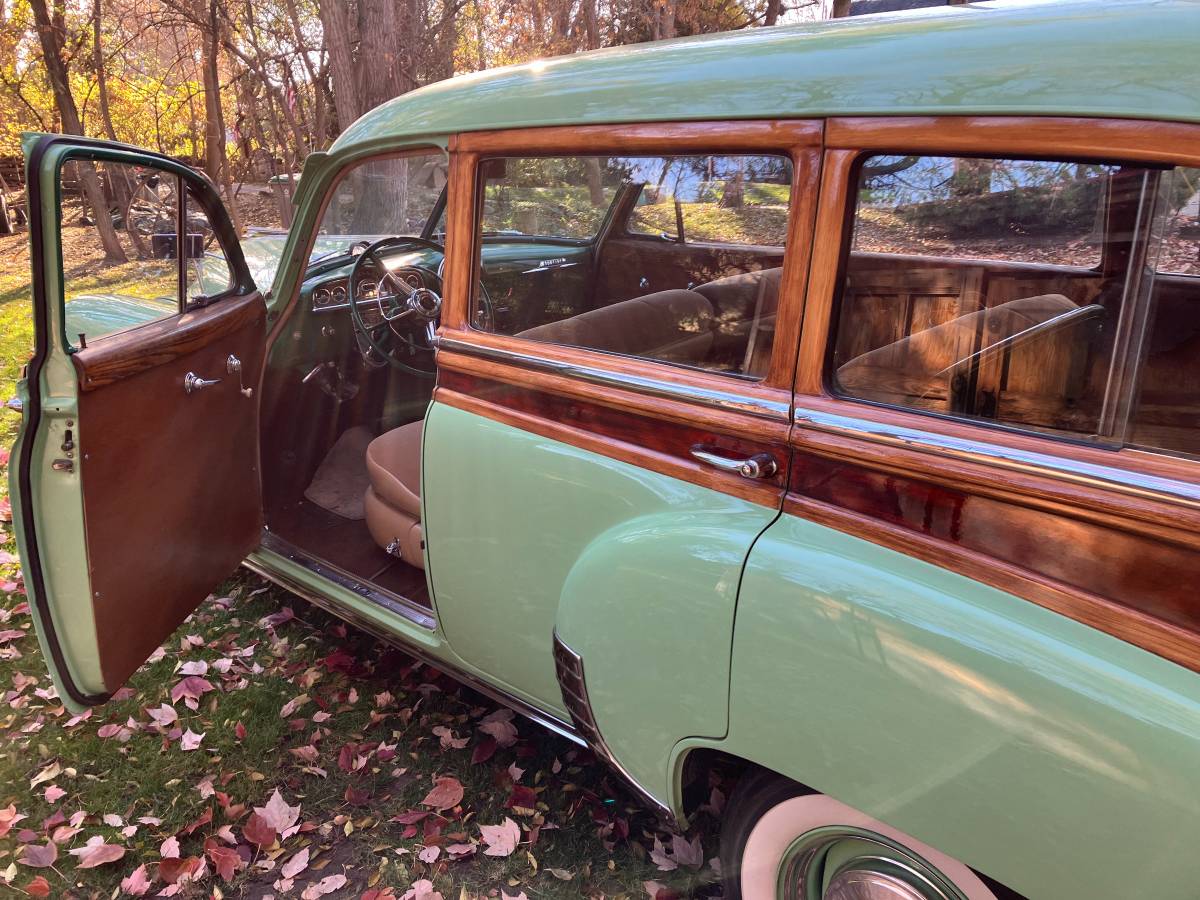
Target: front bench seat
(393,498)
(672,326)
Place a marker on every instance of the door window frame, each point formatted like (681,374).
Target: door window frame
(191,185)
(1127,492)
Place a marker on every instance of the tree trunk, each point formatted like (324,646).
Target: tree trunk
(380,77)
(101,77)
(51,37)
(841,9)
(774,7)
(336,23)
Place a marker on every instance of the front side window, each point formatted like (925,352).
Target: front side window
(671,258)
(1024,293)
(126,261)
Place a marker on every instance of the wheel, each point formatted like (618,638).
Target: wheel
(779,840)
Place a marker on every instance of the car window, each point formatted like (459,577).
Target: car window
(1023,293)
(382,197)
(716,199)
(702,292)
(118,232)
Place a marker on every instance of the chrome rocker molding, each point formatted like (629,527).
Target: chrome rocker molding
(653,387)
(568,665)
(516,704)
(1170,490)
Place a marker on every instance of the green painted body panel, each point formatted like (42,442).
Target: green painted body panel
(637,571)
(1116,59)
(1057,759)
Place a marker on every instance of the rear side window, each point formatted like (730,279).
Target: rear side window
(677,259)
(1033,294)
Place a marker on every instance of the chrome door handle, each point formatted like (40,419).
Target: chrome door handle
(193,382)
(760,465)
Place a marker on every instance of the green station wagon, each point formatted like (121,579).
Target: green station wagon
(820,402)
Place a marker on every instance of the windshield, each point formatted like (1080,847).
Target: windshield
(383,197)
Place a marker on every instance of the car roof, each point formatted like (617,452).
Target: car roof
(1109,58)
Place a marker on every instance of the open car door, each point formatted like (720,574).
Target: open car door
(135,479)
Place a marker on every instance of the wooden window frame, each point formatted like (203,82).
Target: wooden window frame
(1129,501)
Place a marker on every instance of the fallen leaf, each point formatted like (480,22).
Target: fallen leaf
(659,857)
(294,866)
(138,882)
(176,870)
(429,854)
(279,815)
(326,885)
(9,817)
(190,690)
(97,853)
(38,856)
(194,667)
(447,793)
(687,853)
(499,725)
(448,739)
(169,849)
(501,839)
(258,832)
(224,859)
(54,793)
(49,773)
(422,889)
(191,740)
(165,716)
(38,887)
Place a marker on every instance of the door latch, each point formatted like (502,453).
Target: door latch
(760,465)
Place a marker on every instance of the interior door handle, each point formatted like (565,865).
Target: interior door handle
(760,465)
(193,382)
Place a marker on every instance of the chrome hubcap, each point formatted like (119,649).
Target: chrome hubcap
(866,885)
(852,864)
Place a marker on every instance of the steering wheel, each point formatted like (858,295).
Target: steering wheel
(404,318)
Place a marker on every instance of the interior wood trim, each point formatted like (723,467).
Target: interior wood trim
(657,137)
(1177,644)
(524,409)
(122,355)
(664,409)
(457,277)
(1176,143)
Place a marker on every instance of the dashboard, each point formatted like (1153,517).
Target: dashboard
(334,293)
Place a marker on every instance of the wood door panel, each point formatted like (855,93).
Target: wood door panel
(167,514)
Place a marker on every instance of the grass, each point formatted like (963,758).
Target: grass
(360,751)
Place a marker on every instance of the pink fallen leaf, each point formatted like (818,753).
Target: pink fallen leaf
(422,889)
(191,740)
(292,705)
(97,853)
(8,818)
(326,885)
(38,856)
(501,839)
(294,866)
(429,854)
(54,793)
(165,716)
(169,849)
(174,871)
(224,859)
(448,739)
(658,856)
(190,690)
(276,619)
(279,815)
(194,667)
(687,853)
(112,820)
(38,887)
(499,725)
(460,851)
(138,882)
(504,895)
(447,793)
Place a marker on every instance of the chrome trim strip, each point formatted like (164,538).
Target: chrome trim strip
(564,655)
(516,704)
(1182,493)
(393,603)
(652,387)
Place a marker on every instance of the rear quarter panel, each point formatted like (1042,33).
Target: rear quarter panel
(1048,755)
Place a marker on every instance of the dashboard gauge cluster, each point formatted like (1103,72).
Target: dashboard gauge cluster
(334,293)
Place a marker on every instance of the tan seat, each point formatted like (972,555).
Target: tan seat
(393,499)
(674,326)
(746,306)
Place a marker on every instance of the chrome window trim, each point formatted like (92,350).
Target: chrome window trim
(651,387)
(1112,478)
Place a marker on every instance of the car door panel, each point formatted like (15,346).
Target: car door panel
(157,477)
(587,517)
(133,497)
(629,261)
